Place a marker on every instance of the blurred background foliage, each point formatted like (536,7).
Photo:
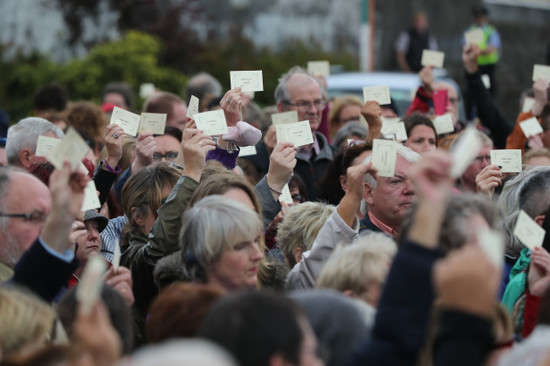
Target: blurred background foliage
(165,53)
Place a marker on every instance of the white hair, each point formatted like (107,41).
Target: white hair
(189,352)
(24,135)
(405,152)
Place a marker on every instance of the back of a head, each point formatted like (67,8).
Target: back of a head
(202,84)
(336,321)
(254,327)
(455,229)
(24,134)
(24,320)
(189,352)
(355,267)
(300,227)
(120,314)
(179,310)
(161,102)
(50,98)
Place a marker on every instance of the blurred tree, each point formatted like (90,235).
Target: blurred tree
(133,59)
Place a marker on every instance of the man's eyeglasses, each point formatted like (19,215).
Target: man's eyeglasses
(35,217)
(304,106)
(171,155)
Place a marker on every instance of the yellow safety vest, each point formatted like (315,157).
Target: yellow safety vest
(491,58)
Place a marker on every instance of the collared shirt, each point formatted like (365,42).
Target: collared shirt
(385,228)
(307,150)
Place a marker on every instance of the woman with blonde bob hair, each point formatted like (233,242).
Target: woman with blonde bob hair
(220,240)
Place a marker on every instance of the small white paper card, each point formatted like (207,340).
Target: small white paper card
(318,68)
(146,90)
(509,160)
(127,120)
(91,283)
(394,126)
(530,127)
(541,71)
(116,256)
(465,151)
(248,81)
(91,199)
(380,94)
(527,104)
(384,156)
(193,107)
(284,118)
(46,144)
(444,124)
(432,58)
(247,151)
(528,231)
(474,36)
(486,80)
(298,133)
(212,122)
(492,243)
(154,122)
(286,197)
(72,148)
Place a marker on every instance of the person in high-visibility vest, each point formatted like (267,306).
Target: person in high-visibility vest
(490,50)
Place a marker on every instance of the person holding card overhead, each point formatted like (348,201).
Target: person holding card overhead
(301,92)
(489,45)
(23,138)
(389,198)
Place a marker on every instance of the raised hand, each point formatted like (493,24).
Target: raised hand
(281,165)
(488,179)
(145,148)
(195,145)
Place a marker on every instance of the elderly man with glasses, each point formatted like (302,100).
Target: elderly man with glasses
(301,92)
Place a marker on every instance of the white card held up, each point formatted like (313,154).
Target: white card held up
(541,71)
(298,133)
(528,231)
(127,120)
(396,128)
(46,144)
(248,81)
(318,68)
(91,283)
(492,243)
(432,58)
(465,151)
(286,196)
(116,256)
(247,151)
(380,94)
(384,156)
(444,124)
(530,127)
(193,107)
(146,90)
(527,104)
(474,36)
(154,122)
(91,199)
(508,159)
(284,117)
(72,148)
(212,122)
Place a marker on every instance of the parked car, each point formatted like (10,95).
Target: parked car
(403,86)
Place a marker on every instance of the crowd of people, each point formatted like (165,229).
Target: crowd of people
(209,264)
